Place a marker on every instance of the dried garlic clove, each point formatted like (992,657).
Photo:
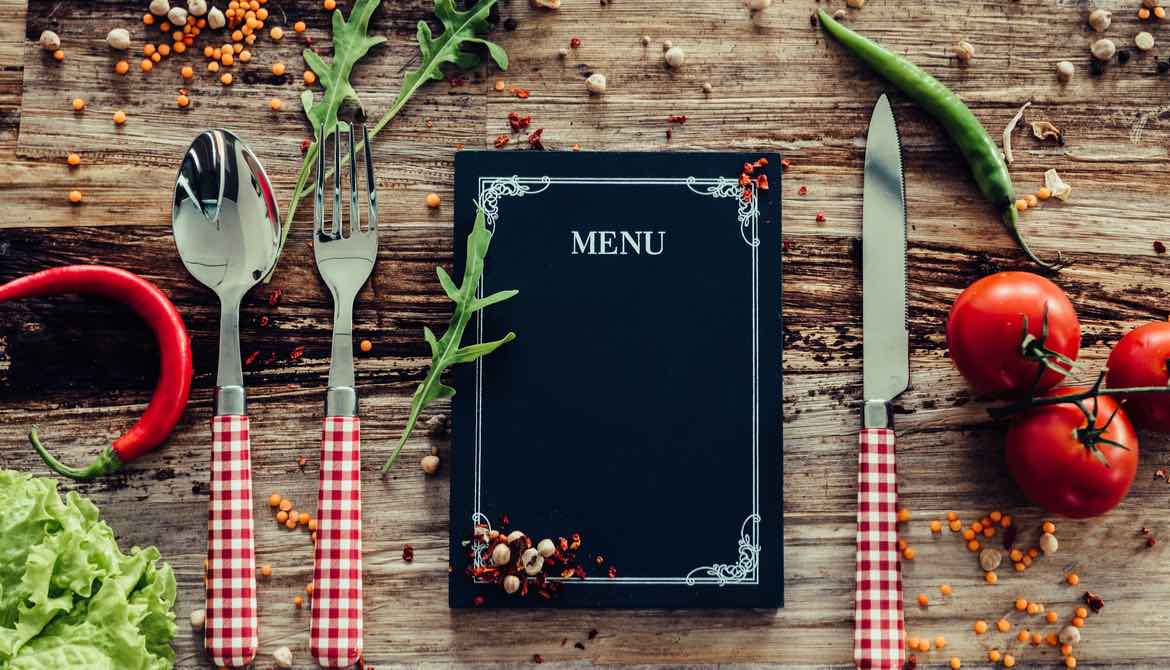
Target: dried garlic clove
(1057,185)
(1044,130)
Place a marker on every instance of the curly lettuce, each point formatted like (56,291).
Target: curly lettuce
(69,597)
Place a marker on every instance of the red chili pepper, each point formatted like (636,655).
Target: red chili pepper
(174,382)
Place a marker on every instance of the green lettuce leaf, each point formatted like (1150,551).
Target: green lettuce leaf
(69,597)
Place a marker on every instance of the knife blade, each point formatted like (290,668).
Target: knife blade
(879,630)
(885,340)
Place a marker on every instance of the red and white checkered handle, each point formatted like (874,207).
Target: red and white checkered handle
(230,630)
(335,631)
(878,629)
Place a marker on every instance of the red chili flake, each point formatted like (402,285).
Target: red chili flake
(821,216)
(579,571)
(1150,541)
(263,320)
(785,164)
(576,543)
(787,245)
(612,571)
(407,553)
(747,193)
(1159,474)
(803,190)
(1159,248)
(301,461)
(911,662)
(504,521)
(295,354)
(274,296)
(762,162)
(1144,531)
(567,572)
(748,168)
(745,180)
(545,594)
(252,358)
(676,118)
(518,122)
(762,182)
(563,543)
(537,658)
(521,93)
(502,141)
(564,641)
(579,645)
(308,40)
(1094,601)
(669,133)
(535,141)
(305,145)
(477,601)
(592,633)
(575,43)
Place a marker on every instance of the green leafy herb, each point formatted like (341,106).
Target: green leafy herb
(350,44)
(69,598)
(445,351)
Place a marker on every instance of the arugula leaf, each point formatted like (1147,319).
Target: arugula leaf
(445,350)
(350,44)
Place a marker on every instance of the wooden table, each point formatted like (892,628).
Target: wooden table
(83,370)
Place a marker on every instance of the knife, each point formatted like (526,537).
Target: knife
(878,636)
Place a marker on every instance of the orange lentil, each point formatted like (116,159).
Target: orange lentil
(1081,612)
(974,545)
(262,14)
(956,663)
(176,36)
(952,516)
(58,55)
(182,100)
(266,570)
(988,532)
(1066,649)
(275,104)
(940,642)
(1021,604)
(366,346)
(227,58)
(122,67)
(285,505)
(994,656)
(310,77)
(213,66)
(146,65)
(148,19)
(1160,12)
(180,47)
(1031,200)
(155,57)
(1044,193)
(1051,617)
(1143,13)
(246,31)
(946,589)
(903,514)
(1003,625)
(274,500)
(935,526)
(250,40)
(1033,552)
(1078,621)
(1006,520)
(281,516)
(924,645)
(1037,638)
(968,534)
(73,160)
(1072,579)
(245,56)
(1048,527)
(986,521)
(995,516)
(1023,635)
(990,577)
(330,5)
(164,27)
(226,78)
(119,117)
(912,643)
(74,197)
(1033,608)
(902,544)
(1069,661)
(303,519)
(237,48)
(1020,567)
(299,26)
(237,35)
(955,525)
(980,627)
(1009,661)
(78,104)
(313,525)
(909,553)
(291,523)
(298,601)
(309,588)
(208,51)
(278,69)
(1016,555)
(923,601)
(148,49)
(277,33)
(977,527)
(1052,640)
(187,72)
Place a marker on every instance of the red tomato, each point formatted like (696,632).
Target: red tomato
(986,326)
(1140,359)
(1050,457)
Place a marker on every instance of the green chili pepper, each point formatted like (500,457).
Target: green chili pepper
(982,154)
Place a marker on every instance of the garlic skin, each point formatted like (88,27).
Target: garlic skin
(118,38)
(532,561)
(1069,635)
(1099,20)
(283,657)
(215,18)
(964,51)
(596,84)
(675,57)
(160,7)
(177,16)
(546,548)
(197,7)
(49,41)
(198,618)
(1049,544)
(501,555)
(1103,49)
(511,584)
(1065,70)
(1144,41)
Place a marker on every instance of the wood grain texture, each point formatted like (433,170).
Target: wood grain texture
(83,369)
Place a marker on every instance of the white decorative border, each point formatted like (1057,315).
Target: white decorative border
(491,191)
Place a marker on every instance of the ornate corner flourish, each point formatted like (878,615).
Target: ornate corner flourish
(742,571)
(491,192)
(749,210)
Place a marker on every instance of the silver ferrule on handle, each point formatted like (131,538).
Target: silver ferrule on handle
(230,401)
(877,414)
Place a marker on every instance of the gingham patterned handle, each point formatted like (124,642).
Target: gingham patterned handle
(230,630)
(878,630)
(335,632)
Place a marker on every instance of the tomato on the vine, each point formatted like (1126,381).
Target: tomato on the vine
(1068,465)
(1141,359)
(1005,326)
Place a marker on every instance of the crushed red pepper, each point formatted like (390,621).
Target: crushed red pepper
(517,122)
(575,43)
(502,141)
(407,553)
(295,354)
(305,143)
(537,658)
(535,140)
(1094,601)
(563,562)
(251,358)
(676,118)
(821,216)
(1159,248)
(274,296)
(803,190)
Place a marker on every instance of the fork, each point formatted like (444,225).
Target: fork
(345,256)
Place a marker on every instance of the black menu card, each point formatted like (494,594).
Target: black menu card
(639,406)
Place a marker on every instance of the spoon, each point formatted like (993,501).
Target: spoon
(228,233)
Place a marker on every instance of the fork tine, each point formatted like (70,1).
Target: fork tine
(337,213)
(355,217)
(372,207)
(319,192)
